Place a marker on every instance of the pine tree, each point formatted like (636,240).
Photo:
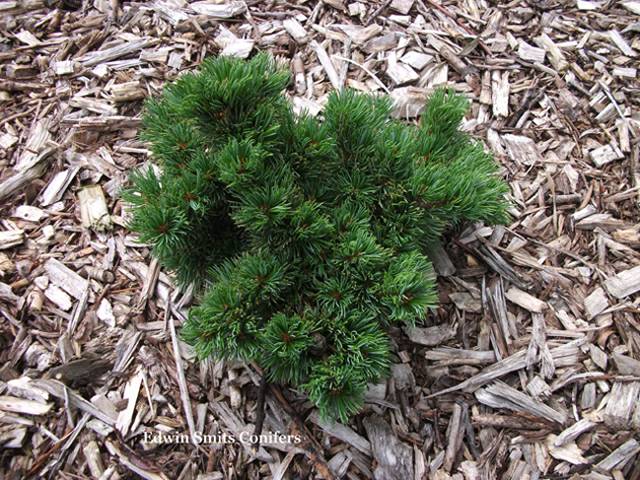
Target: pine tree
(309,236)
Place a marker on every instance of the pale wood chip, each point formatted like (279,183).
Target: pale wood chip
(627,72)
(455,356)
(416,60)
(595,303)
(556,55)
(574,431)
(521,149)
(530,53)
(182,382)
(60,390)
(171,10)
(402,6)
(219,11)
(56,295)
(20,405)
(326,63)
(568,451)
(621,43)
(624,284)
(601,220)
(94,58)
(94,458)
(360,35)
(65,278)
(570,352)
(131,391)
(296,30)
(525,300)
(93,208)
(606,154)
(401,74)
(11,238)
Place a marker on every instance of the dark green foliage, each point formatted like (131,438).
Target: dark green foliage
(311,234)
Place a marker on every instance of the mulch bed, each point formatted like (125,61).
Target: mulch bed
(529,369)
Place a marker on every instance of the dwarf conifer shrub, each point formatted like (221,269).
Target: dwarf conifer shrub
(308,235)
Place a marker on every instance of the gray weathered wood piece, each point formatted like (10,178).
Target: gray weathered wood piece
(342,432)
(620,456)
(65,278)
(530,53)
(58,186)
(595,303)
(538,350)
(623,398)
(459,356)
(574,431)
(521,149)
(18,180)
(513,363)
(455,436)
(100,56)
(11,238)
(622,44)
(395,459)
(432,336)
(60,390)
(296,30)
(501,395)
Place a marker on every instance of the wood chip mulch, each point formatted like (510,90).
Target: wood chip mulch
(529,369)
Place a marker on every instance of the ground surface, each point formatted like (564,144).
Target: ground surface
(528,370)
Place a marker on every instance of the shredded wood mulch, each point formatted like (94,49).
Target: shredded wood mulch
(529,369)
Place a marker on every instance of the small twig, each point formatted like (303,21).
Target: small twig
(101,296)
(469,250)
(528,101)
(130,289)
(45,456)
(10,118)
(377,12)
(607,92)
(256,30)
(260,413)
(182,383)
(471,438)
(436,430)
(377,80)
